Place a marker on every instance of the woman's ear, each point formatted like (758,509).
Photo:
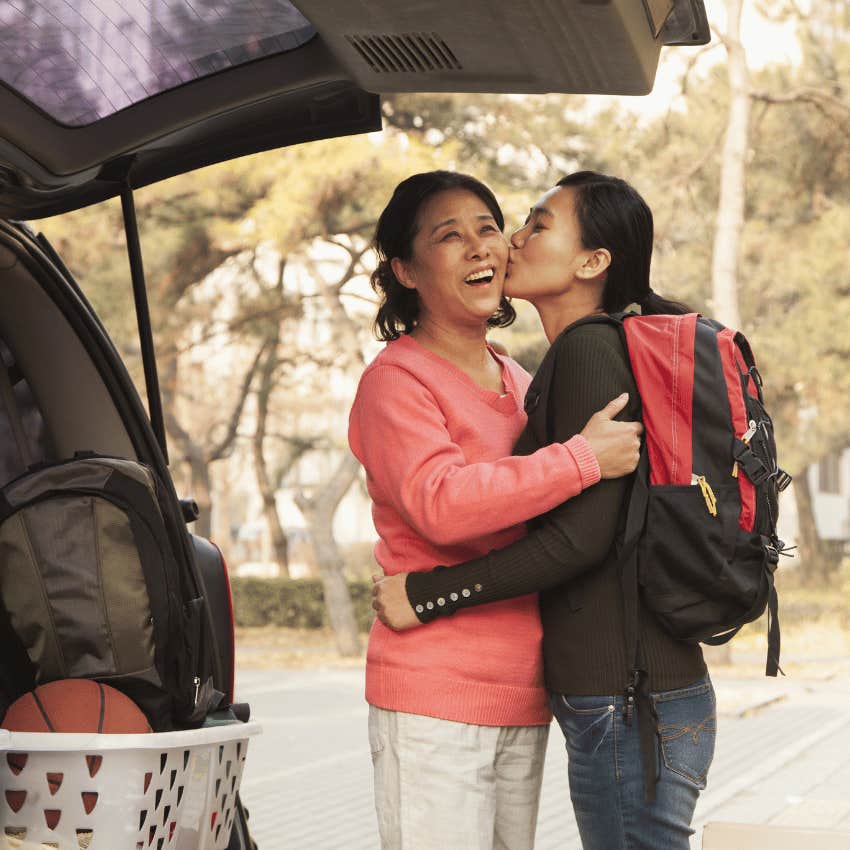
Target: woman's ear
(402,273)
(596,263)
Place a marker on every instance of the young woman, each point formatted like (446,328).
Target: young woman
(585,248)
(458,712)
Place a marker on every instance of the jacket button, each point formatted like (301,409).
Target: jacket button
(441,602)
(419,609)
(429,606)
(466,593)
(453,597)
(478,588)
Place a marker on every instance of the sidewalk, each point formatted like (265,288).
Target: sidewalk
(783,757)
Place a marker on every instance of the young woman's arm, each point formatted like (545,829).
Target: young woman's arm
(566,541)
(398,432)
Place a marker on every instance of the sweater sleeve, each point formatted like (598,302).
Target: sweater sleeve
(590,370)
(398,432)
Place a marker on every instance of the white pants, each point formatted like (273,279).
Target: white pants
(442,785)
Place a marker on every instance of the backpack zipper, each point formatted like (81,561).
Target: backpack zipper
(745,438)
(707,493)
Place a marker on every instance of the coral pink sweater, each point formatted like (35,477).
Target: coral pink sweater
(436,448)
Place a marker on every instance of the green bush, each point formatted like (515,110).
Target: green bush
(293,603)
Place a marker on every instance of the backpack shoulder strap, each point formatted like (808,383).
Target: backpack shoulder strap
(7,395)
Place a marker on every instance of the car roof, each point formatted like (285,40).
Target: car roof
(98,93)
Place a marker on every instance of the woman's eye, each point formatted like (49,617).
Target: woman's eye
(490,228)
(451,234)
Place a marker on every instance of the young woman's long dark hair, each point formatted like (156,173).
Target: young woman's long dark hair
(612,215)
(394,235)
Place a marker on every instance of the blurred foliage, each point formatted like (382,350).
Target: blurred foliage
(294,603)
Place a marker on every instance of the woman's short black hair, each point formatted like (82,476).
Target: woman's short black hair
(612,215)
(394,235)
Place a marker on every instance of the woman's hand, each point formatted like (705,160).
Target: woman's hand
(389,599)
(615,444)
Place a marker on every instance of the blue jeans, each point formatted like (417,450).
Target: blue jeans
(606,773)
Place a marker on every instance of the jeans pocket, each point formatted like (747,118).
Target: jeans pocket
(585,721)
(687,727)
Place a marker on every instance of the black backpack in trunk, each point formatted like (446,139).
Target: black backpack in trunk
(91,587)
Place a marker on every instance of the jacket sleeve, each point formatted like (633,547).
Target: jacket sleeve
(575,536)
(398,432)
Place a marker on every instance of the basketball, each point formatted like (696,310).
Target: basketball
(75,705)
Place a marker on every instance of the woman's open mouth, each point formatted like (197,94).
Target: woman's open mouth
(480,277)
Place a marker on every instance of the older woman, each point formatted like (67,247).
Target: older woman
(458,712)
(586,249)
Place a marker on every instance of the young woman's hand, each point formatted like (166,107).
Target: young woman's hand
(615,444)
(389,599)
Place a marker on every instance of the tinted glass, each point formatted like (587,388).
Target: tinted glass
(81,60)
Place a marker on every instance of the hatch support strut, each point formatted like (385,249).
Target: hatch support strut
(143,318)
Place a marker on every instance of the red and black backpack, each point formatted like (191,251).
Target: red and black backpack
(702,516)
(699,543)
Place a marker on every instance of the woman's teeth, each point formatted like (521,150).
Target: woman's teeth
(484,276)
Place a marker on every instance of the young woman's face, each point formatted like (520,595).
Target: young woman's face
(459,259)
(546,252)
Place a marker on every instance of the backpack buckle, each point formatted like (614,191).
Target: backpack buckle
(783,479)
(772,559)
(754,469)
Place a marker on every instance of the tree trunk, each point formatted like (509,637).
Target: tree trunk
(815,560)
(730,207)
(201,492)
(279,541)
(319,512)
(200,484)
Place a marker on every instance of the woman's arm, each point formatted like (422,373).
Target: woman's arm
(561,545)
(398,432)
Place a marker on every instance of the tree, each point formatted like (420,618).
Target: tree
(730,208)
(799,288)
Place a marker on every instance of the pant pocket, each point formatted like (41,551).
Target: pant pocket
(687,727)
(585,721)
(377,731)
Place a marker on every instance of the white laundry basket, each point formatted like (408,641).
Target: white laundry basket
(161,791)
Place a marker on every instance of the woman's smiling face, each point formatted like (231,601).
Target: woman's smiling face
(547,251)
(458,260)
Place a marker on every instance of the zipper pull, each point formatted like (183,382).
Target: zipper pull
(735,469)
(748,434)
(197,682)
(707,493)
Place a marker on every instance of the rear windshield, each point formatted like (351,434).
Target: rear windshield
(82,60)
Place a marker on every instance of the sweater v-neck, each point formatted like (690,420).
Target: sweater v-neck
(505,403)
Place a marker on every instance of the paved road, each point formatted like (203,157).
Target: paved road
(783,757)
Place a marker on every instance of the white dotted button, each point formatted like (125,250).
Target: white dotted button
(429,606)
(466,593)
(441,602)
(419,609)
(453,597)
